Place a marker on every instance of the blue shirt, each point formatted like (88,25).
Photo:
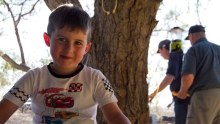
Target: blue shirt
(203,61)
(174,69)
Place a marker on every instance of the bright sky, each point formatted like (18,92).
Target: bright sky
(35,48)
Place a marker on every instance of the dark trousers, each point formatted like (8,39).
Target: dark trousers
(180,109)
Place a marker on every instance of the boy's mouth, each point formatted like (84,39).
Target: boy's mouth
(66,57)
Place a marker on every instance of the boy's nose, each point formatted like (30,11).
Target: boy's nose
(68,47)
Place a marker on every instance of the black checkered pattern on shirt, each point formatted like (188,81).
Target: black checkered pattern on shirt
(107,85)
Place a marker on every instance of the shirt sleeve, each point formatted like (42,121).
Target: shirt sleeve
(189,62)
(19,94)
(104,92)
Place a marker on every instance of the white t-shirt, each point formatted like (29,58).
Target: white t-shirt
(68,99)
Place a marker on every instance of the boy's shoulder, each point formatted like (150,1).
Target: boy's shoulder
(91,69)
(39,69)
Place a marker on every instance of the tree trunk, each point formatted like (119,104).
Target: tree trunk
(120,48)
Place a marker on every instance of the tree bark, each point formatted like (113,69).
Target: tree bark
(120,49)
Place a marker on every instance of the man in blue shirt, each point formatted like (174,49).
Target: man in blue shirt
(172,78)
(201,78)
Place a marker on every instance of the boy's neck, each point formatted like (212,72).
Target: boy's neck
(76,70)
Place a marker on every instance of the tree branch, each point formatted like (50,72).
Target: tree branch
(13,63)
(32,9)
(16,22)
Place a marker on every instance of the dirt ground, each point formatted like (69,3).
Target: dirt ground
(21,118)
(25,117)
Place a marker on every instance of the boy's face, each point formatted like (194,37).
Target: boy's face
(67,49)
(164,53)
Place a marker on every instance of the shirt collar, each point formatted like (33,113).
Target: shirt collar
(200,40)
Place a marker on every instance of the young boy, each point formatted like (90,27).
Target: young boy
(65,91)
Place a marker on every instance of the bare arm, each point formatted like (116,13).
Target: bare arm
(114,115)
(186,82)
(7,108)
(165,82)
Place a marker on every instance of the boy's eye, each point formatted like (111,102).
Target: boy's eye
(78,43)
(61,40)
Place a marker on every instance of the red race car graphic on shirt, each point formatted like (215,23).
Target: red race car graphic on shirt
(59,101)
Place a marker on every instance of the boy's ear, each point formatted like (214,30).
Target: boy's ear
(88,47)
(46,39)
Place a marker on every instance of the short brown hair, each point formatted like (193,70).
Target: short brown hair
(73,17)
